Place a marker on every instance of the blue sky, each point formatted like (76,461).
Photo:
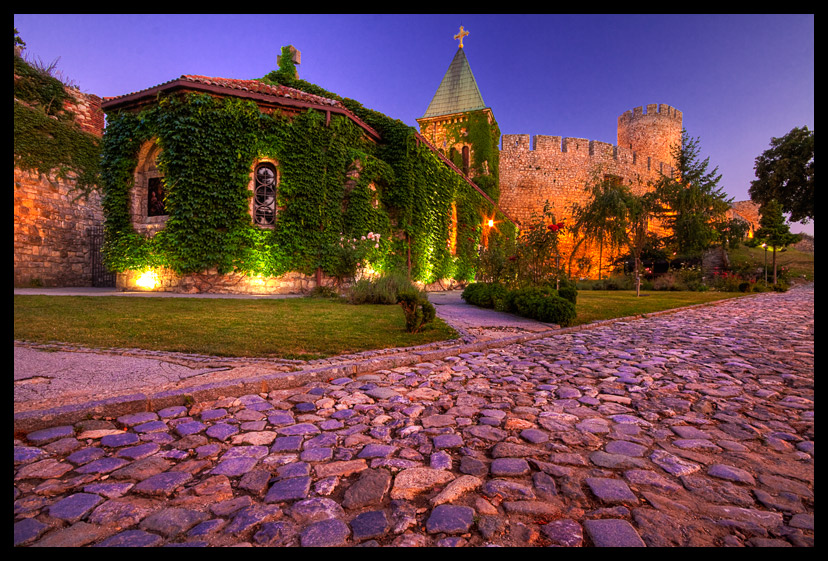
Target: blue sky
(738,79)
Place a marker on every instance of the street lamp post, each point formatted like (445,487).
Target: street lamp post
(765,246)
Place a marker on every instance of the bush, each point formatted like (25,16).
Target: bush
(542,303)
(568,291)
(556,310)
(417,309)
(523,301)
(382,290)
(486,295)
(323,292)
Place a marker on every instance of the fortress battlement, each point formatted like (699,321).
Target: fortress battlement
(541,151)
(661,110)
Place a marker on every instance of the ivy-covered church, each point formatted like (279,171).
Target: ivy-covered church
(277,186)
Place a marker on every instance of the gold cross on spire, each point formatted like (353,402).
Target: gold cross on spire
(460,35)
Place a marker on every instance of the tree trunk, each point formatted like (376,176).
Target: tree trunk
(637,277)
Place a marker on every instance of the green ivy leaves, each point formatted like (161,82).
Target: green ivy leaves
(333,183)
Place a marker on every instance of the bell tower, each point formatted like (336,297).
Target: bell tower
(445,122)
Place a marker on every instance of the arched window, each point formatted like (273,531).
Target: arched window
(148,212)
(265,183)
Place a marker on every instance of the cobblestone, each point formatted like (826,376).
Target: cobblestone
(694,428)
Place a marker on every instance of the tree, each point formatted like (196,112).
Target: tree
(774,231)
(731,232)
(620,216)
(597,218)
(537,249)
(640,209)
(692,202)
(785,172)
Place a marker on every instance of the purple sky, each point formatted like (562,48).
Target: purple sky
(739,80)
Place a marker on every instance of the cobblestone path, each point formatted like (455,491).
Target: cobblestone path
(688,429)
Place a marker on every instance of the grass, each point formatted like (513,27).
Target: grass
(596,305)
(800,263)
(293,328)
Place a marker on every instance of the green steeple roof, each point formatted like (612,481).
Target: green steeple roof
(458,91)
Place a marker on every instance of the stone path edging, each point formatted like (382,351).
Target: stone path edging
(27,421)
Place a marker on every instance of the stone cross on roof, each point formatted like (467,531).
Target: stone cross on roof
(460,35)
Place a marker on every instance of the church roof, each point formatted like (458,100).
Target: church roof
(251,89)
(458,91)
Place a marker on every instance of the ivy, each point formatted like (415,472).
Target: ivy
(333,184)
(46,139)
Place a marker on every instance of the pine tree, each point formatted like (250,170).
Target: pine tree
(774,231)
(691,198)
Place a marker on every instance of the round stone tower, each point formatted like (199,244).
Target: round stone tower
(653,134)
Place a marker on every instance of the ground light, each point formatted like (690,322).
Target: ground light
(148,280)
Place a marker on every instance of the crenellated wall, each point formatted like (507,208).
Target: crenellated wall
(536,169)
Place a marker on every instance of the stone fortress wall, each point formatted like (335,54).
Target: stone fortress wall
(558,168)
(534,170)
(51,222)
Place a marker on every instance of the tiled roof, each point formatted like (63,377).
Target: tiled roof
(252,86)
(458,92)
(254,89)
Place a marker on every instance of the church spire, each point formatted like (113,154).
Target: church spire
(458,92)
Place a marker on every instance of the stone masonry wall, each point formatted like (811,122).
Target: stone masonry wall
(557,169)
(51,238)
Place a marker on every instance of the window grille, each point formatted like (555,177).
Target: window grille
(264,195)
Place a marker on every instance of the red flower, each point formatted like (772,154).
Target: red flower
(513,258)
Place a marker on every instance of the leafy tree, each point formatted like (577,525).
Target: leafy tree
(536,249)
(692,200)
(640,209)
(18,42)
(785,172)
(598,218)
(774,231)
(620,215)
(731,231)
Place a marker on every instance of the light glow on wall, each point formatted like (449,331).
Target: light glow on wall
(148,280)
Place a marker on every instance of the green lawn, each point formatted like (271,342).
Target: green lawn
(595,305)
(295,328)
(800,263)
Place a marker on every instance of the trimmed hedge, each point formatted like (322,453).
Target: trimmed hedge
(542,303)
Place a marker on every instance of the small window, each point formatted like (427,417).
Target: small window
(155,197)
(264,195)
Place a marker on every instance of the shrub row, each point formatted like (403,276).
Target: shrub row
(542,303)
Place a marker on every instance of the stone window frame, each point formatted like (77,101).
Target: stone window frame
(146,169)
(251,187)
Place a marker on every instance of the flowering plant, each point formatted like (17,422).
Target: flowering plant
(351,255)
